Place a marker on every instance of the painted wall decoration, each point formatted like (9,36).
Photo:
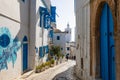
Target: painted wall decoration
(8,48)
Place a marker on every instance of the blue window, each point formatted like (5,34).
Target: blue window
(68,48)
(58,37)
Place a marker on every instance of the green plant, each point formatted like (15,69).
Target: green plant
(55,50)
(47,63)
(52,61)
(43,65)
(62,55)
(38,68)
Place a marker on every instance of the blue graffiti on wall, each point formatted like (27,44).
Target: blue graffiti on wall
(8,48)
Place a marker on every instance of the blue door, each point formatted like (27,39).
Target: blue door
(25,54)
(107,48)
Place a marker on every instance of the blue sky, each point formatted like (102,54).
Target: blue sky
(65,10)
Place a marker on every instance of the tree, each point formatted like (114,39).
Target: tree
(55,51)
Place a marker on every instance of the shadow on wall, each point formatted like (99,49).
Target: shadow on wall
(8,48)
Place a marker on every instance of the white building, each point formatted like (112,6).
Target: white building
(61,38)
(68,35)
(70,49)
(22,36)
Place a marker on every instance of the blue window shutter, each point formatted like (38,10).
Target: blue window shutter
(40,20)
(40,52)
(48,22)
(51,33)
(44,51)
(40,13)
(53,13)
(44,21)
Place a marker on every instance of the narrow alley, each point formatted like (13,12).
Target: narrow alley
(63,71)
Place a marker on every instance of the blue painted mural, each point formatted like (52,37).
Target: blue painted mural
(8,48)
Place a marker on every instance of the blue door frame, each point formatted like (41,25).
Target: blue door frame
(25,54)
(107,48)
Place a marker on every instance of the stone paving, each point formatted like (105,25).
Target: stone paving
(66,75)
(63,71)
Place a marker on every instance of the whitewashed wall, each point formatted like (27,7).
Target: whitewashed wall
(14,16)
(61,42)
(39,33)
(68,35)
(82,11)
(68,51)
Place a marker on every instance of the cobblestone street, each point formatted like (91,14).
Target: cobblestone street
(63,71)
(66,75)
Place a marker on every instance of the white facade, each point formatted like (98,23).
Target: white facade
(64,36)
(20,33)
(61,42)
(82,11)
(70,49)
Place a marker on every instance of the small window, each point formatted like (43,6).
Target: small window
(58,37)
(68,48)
(82,65)
(23,0)
(61,48)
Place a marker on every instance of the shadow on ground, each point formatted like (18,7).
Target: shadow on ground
(66,75)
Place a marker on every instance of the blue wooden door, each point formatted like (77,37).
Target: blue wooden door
(111,46)
(107,49)
(25,54)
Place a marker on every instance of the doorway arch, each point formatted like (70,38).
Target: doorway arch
(25,54)
(107,44)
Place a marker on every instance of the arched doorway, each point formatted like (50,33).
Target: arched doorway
(107,48)
(25,54)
